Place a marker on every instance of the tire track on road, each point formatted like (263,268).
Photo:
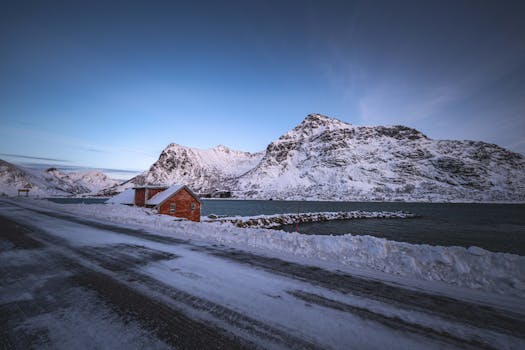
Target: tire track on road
(480,316)
(115,268)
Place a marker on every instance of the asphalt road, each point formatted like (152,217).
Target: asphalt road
(56,293)
(168,324)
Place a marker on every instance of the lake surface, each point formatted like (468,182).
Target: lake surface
(63,200)
(495,227)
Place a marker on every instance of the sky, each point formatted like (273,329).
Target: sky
(109,84)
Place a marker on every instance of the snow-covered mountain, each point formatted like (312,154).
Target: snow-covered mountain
(325,158)
(51,182)
(204,170)
(83,181)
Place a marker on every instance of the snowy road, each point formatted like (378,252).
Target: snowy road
(69,282)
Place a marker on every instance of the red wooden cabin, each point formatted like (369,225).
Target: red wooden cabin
(176,200)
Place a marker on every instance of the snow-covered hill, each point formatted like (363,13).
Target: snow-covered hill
(51,182)
(325,158)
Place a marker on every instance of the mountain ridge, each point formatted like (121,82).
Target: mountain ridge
(323,158)
(51,182)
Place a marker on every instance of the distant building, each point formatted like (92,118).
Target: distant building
(25,190)
(176,200)
(22,191)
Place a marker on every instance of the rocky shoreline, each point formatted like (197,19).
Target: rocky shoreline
(279,220)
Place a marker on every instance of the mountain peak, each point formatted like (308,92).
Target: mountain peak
(174,145)
(313,124)
(222,148)
(320,119)
(317,116)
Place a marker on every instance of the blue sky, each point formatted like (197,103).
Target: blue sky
(108,84)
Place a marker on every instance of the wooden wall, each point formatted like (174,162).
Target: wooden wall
(140,197)
(154,191)
(183,200)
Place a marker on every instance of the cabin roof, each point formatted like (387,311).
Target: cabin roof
(125,197)
(150,186)
(161,197)
(128,195)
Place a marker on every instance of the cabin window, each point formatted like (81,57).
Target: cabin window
(192,206)
(172,208)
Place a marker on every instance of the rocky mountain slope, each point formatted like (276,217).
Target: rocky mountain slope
(51,182)
(325,158)
(205,170)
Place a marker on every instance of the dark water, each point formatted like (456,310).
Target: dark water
(495,227)
(77,200)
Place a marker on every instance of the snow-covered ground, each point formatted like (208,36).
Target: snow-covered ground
(335,292)
(474,268)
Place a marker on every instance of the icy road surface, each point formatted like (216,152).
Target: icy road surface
(67,282)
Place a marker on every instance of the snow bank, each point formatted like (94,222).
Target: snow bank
(473,267)
(278,220)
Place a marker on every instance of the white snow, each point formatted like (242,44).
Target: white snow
(93,180)
(474,268)
(125,197)
(162,196)
(256,292)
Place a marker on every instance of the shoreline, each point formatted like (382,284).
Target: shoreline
(276,221)
(302,200)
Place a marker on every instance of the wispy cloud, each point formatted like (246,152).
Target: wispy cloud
(75,167)
(94,150)
(407,90)
(518,146)
(21,123)
(118,174)
(136,151)
(405,104)
(75,143)
(21,156)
